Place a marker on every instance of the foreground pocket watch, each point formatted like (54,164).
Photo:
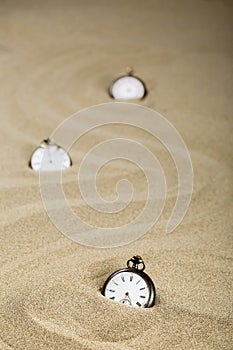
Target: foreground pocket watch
(131,286)
(128,87)
(49,157)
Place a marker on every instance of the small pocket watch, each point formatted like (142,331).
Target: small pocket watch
(131,285)
(128,87)
(49,157)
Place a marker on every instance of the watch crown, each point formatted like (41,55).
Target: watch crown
(46,142)
(138,257)
(135,261)
(129,70)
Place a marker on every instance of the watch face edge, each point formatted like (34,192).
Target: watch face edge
(126,75)
(30,160)
(147,279)
(40,147)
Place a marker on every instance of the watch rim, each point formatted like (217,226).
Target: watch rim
(39,147)
(147,279)
(123,76)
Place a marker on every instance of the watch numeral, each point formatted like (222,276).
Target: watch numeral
(138,281)
(115,283)
(112,290)
(131,278)
(142,288)
(123,278)
(139,304)
(142,296)
(112,298)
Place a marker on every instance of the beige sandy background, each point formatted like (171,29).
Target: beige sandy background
(58,57)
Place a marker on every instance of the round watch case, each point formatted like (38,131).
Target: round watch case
(138,272)
(36,157)
(129,74)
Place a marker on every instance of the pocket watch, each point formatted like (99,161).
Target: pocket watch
(49,157)
(131,285)
(128,87)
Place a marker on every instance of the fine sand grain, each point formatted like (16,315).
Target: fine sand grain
(57,57)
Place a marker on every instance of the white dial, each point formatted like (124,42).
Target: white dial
(128,288)
(127,87)
(50,157)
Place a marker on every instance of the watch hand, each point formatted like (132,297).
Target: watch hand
(127,297)
(50,158)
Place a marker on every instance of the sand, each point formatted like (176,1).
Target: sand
(58,57)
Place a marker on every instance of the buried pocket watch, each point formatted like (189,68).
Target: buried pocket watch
(128,87)
(131,286)
(49,157)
